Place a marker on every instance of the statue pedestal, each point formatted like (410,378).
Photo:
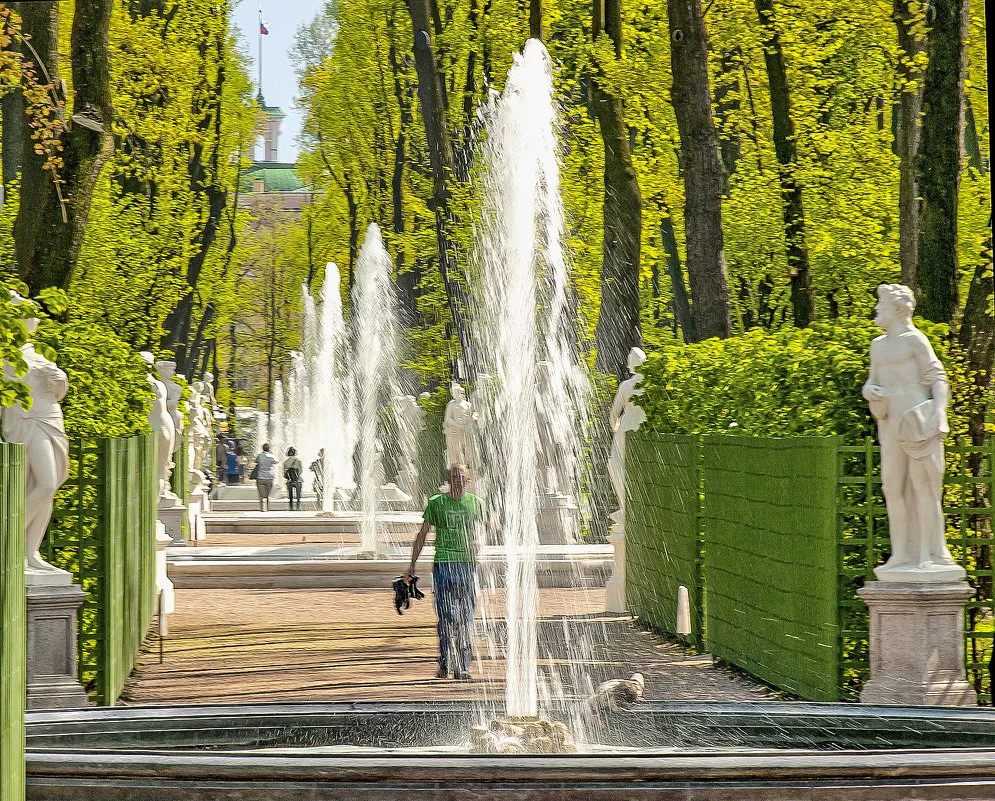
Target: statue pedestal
(615,600)
(558,520)
(52,673)
(171,514)
(195,509)
(917,644)
(162,583)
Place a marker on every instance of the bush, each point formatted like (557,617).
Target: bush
(778,383)
(109,393)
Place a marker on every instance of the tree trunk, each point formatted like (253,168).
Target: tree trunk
(972,144)
(618,328)
(703,172)
(204,183)
(408,277)
(434,117)
(909,108)
(726,110)
(938,159)
(682,303)
(353,207)
(48,233)
(14,129)
(802,301)
(535,19)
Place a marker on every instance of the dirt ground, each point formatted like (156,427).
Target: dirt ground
(240,646)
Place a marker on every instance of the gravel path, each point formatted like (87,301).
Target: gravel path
(240,646)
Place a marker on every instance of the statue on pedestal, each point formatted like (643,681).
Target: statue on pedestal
(46,449)
(908,394)
(626,415)
(458,428)
(162,426)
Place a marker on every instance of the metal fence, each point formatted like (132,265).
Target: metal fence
(103,531)
(12,622)
(773,537)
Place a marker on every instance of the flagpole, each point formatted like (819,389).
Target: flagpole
(259,33)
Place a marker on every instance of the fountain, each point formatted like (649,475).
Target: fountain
(532,401)
(375,370)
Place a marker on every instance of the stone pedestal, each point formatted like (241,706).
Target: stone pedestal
(615,600)
(917,644)
(162,582)
(51,647)
(195,511)
(171,515)
(559,519)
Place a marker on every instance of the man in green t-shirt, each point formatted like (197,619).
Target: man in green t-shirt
(456,516)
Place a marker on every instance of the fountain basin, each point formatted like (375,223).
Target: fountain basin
(661,750)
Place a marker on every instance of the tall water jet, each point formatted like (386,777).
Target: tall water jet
(375,369)
(277,419)
(333,381)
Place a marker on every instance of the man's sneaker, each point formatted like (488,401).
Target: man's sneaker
(442,673)
(462,675)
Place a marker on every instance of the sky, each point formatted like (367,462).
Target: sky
(279,81)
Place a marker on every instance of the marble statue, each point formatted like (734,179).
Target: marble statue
(212,402)
(167,370)
(46,449)
(626,415)
(162,426)
(457,426)
(410,424)
(202,425)
(908,394)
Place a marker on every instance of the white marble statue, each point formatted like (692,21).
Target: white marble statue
(212,402)
(626,415)
(908,394)
(167,371)
(457,425)
(201,425)
(161,423)
(410,423)
(46,449)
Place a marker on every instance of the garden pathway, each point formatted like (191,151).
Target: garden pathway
(239,646)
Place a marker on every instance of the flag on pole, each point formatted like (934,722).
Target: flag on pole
(263,30)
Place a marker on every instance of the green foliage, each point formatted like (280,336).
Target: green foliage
(109,393)
(13,334)
(781,383)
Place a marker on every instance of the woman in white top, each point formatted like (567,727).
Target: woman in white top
(264,473)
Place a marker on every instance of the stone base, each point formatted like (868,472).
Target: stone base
(51,647)
(172,518)
(917,644)
(162,583)
(915,574)
(558,520)
(615,598)
(195,515)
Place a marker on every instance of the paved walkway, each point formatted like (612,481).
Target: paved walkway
(240,646)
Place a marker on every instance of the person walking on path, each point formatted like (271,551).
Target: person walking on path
(221,457)
(231,466)
(293,474)
(456,516)
(264,473)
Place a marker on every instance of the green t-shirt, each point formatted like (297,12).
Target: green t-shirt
(454,520)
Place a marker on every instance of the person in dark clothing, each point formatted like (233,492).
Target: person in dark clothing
(231,467)
(293,474)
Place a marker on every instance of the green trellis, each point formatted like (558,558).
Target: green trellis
(103,531)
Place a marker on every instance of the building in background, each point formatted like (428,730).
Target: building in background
(269,178)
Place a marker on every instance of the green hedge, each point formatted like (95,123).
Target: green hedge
(12,622)
(778,383)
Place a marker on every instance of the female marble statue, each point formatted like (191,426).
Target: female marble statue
(46,448)
(166,371)
(625,416)
(161,423)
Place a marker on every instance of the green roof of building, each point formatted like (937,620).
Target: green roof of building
(277,176)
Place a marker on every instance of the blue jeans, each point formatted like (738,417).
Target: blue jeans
(455,600)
